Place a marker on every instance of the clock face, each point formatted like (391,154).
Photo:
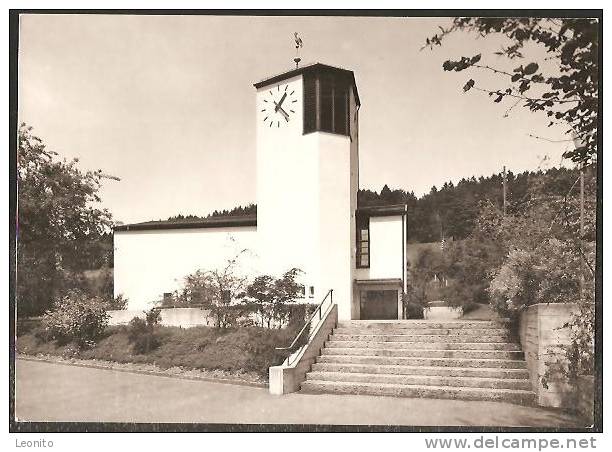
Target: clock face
(278,106)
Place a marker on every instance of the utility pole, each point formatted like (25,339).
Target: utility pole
(578,143)
(504,189)
(581,203)
(581,228)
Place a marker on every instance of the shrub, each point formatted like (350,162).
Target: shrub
(142,333)
(548,274)
(117,303)
(414,306)
(76,317)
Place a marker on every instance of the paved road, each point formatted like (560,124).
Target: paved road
(56,392)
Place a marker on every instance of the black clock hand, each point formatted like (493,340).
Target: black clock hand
(281,102)
(284,113)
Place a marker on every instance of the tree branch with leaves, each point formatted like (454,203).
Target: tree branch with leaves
(567,94)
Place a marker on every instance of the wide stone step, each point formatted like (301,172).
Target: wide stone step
(482,372)
(427,380)
(419,338)
(425,345)
(440,392)
(472,354)
(404,361)
(416,324)
(426,331)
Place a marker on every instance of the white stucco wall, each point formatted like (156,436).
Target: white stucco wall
(306,198)
(287,189)
(336,220)
(386,246)
(149,263)
(354,131)
(306,202)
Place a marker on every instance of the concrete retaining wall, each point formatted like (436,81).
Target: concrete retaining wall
(183,317)
(585,401)
(542,335)
(285,379)
(442,313)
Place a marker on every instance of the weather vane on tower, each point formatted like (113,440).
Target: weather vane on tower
(298,44)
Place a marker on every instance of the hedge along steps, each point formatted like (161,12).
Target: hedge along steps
(475,360)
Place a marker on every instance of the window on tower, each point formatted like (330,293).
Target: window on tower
(326,103)
(363,242)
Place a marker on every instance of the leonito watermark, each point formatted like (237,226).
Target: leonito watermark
(37,443)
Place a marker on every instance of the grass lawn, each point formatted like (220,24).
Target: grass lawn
(236,350)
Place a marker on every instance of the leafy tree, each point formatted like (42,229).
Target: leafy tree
(468,266)
(565,86)
(421,288)
(260,295)
(546,260)
(59,226)
(272,297)
(218,290)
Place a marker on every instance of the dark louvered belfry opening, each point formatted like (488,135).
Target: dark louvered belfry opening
(326,102)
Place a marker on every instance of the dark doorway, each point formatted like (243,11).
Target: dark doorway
(378,304)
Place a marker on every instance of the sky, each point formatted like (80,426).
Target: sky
(167,103)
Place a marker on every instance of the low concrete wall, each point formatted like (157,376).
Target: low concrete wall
(186,317)
(585,401)
(542,335)
(442,313)
(285,379)
(123,317)
(183,317)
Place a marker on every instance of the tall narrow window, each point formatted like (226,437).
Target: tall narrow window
(327,107)
(363,242)
(310,103)
(326,102)
(341,116)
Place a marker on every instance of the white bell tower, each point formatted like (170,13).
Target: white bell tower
(307,178)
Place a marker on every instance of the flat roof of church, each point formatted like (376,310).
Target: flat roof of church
(314,67)
(242,220)
(383,210)
(214,222)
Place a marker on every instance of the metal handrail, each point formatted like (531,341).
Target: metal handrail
(318,309)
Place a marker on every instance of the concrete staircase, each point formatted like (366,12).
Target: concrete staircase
(471,360)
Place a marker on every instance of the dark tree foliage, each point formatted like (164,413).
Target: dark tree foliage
(61,231)
(450,212)
(249,209)
(567,91)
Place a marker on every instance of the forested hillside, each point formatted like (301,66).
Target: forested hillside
(451,210)
(249,209)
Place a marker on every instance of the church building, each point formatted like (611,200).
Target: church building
(307,124)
